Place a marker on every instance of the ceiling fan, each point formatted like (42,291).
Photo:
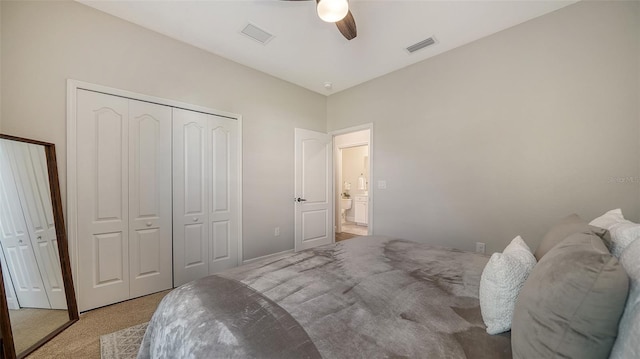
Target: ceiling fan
(337,11)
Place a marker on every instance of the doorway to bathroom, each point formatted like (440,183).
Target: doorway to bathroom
(352,169)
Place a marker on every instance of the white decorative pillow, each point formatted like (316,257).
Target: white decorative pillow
(608,219)
(623,232)
(501,281)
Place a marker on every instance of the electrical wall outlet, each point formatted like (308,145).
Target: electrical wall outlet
(276,232)
(382,184)
(480,247)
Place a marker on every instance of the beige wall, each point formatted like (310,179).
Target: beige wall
(45,43)
(507,134)
(497,138)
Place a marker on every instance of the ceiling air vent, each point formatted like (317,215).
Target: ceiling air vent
(256,34)
(421,45)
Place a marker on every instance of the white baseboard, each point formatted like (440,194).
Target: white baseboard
(267,256)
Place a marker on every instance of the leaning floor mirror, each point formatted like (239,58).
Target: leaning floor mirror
(38,301)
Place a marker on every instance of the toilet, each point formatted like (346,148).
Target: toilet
(345,204)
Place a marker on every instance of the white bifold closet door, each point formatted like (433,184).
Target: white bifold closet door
(124,198)
(30,170)
(18,254)
(205,194)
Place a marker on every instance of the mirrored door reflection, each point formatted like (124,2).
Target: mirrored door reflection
(29,248)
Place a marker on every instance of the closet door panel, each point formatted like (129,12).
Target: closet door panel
(194,245)
(109,265)
(221,238)
(149,198)
(223,189)
(190,174)
(103,202)
(220,162)
(148,262)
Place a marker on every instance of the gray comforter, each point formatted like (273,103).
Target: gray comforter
(368,297)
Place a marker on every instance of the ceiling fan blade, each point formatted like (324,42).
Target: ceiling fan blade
(347,26)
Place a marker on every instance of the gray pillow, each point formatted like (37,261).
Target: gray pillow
(561,230)
(571,303)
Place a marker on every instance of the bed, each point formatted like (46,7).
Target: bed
(576,296)
(368,297)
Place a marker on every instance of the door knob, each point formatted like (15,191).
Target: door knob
(195,219)
(148,224)
(39,237)
(20,241)
(300,199)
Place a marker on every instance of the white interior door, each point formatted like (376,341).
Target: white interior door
(150,268)
(102,204)
(17,247)
(313,189)
(190,195)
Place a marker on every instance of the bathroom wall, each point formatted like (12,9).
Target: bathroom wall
(350,139)
(354,162)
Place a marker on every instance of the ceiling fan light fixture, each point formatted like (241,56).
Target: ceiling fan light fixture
(332,10)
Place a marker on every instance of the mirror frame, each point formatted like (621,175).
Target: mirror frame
(6,341)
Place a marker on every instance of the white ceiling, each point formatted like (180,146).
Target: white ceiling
(309,52)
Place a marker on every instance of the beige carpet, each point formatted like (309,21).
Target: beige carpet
(82,339)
